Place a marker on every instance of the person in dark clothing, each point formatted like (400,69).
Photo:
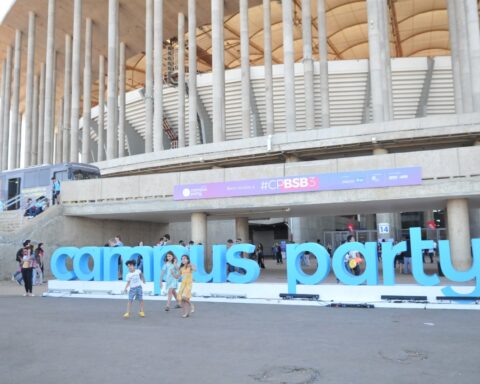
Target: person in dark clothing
(259,255)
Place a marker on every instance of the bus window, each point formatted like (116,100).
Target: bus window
(81,174)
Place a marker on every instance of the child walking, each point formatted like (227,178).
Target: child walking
(134,281)
(170,268)
(185,291)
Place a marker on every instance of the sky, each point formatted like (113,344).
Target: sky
(5,6)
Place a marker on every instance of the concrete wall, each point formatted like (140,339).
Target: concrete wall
(218,231)
(56,230)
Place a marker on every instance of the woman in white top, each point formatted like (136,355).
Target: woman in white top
(27,270)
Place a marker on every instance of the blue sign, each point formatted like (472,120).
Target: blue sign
(105,263)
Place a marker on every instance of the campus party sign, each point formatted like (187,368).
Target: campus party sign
(105,263)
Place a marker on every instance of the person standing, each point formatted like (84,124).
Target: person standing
(170,270)
(27,271)
(185,291)
(55,191)
(38,263)
(134,281)
(259,255)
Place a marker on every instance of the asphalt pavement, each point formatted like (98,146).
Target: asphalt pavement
(60,340)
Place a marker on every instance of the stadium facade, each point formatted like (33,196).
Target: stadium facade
(163,94)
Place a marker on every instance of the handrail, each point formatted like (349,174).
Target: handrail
(12,201)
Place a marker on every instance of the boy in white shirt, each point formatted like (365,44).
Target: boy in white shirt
(134,281)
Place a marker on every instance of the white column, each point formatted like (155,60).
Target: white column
(218,71)
(464,55)
(245,68)
(12,153)
(75,102)
(149,76)
(267,63)
(29,88)
(383,18)
(112,76)
(241,229)
(308,63)
(158,75)
(121,101)
(455,56)
(87,92)
(101,108)
(59,135)
(199,227)
(289,65)
(67,97)
(41,114)
(34,133)
(375,60)
(323,59)
(192,73)
(471,8)
(2,98)
(458,229)
(6,108)
(49,85)
(181,80)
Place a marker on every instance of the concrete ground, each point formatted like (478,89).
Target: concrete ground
(47,340)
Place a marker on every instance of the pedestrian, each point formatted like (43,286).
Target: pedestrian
(259,255)
(170,271)
(27,270)
(55,191)
(134,281)
(185,292)
(39,257)
(278,253)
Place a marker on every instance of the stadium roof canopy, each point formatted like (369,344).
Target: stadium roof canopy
(417,28)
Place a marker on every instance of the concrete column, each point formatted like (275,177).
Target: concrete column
(199,227)
(458,229)
(34,133)
(375,60)
(101,108)
(54,98)
(41,114)
(471,8)
(323,59)
(87,92)
(395,222)
(455,57)
(6,108)
(289,65)
(241,229)
(112,76)
(267,64)
(148,76)
(49,87)
(245,68)
(181,80)
(29,88)
(121,101)
(2,98)
(192,73)
(464,56)
(75,102)
(383,17)
(59,134)
(158,74)
(308,64)
(218,70)
(67,97)
(12,153)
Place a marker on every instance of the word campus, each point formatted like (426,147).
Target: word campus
(105,263)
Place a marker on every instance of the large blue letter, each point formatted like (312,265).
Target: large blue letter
(369,253)
(58,263)
(81,261)
(218,273)
(294,269)
(460,276)
(389,251)
(417,245)
(111,257)
(234,258)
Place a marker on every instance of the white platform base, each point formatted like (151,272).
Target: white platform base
(268,293)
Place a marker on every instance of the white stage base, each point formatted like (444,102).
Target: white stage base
(268,293)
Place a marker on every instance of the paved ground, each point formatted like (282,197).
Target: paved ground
(46,340)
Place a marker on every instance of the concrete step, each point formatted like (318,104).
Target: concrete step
(10,221)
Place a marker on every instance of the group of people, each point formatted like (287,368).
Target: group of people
(40,204)
(173,273)
(31,266)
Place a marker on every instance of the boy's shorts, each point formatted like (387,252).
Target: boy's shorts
(135,293)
